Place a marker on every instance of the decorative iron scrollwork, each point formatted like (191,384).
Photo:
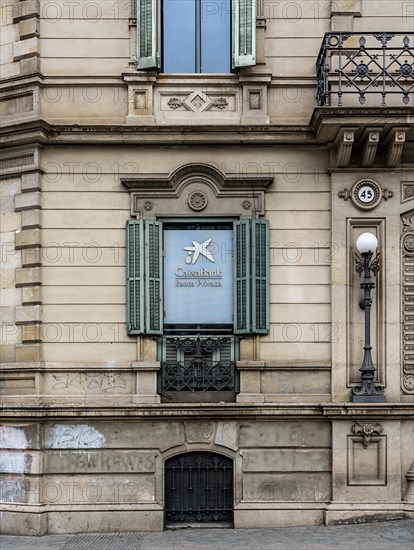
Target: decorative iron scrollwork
(198,372)
(381,63)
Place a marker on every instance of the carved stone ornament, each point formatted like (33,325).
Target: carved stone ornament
(407,191)
(367,431)
(344,142)
(194,187)
(197,200)
(175,103)
(407,301)
(220,103)
(366,194)
(409,494)
(198,101)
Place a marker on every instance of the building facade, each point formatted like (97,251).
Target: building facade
(182,186)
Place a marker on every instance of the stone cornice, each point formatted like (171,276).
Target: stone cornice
(322,131)
(216,411)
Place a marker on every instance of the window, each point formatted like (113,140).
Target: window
(196,36)
(224,296)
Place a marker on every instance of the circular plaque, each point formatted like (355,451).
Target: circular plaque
(197,200)
(366,194)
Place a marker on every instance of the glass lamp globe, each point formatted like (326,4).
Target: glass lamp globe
(367,242)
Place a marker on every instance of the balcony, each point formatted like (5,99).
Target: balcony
(372,70)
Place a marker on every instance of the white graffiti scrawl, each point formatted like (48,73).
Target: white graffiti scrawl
(74,436)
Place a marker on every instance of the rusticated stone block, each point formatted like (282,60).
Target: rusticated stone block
(346,7)
(28,352)
(7,353)
(31,218)
(30,181)
(31,295)
(26,201)
(29,28)
(26,48)
(31,257)
(30,65)
(28,238)
(32,333)
(26,10)
(28,276)
(28,314)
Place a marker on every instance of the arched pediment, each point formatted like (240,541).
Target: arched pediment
(197,189)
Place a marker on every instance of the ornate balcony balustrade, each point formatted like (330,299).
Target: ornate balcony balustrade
(198,371)
(353,66)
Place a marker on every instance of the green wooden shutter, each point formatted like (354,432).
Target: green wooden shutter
(147,24)
(244,33)
(260,276)
(135,276)
(241,284)
(154,307)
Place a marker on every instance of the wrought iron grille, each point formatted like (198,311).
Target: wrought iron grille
(198,488)
(198,371)
(380,64)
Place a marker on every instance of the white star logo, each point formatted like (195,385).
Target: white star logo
(198,249)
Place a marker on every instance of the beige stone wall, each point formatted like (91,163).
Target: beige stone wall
(85,208)
(91,465)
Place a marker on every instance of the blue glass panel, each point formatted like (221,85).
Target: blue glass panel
(198,276)
(179,36)
(215,36)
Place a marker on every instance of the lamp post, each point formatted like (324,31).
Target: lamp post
(368,392)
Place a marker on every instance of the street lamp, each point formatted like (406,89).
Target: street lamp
(368,392)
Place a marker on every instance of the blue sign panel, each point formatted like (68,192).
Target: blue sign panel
(198,276)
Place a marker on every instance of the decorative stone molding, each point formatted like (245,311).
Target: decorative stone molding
(19,161)
(344,142)
(146,381)
(367,430)
(370,139)
(407,191)
(197,187)
(377,194)
(409,494)
(407,299)
(198,102)
(394,144)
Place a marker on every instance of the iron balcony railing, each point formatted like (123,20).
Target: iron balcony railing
(354,65)
(198,371)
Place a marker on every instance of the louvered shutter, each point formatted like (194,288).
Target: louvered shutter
(154,308)
(241,284)
(244,33)
(260,276)
(135,276)
(147,14)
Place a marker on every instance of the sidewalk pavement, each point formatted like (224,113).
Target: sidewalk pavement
(392,535)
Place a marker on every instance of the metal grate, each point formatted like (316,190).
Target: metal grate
(198,488)
(105,541)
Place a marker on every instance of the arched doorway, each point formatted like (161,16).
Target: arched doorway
(199,489)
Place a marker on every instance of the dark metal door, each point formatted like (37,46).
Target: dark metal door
(198,488)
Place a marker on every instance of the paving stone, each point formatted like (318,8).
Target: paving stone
(395,535)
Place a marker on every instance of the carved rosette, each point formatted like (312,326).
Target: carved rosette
(197,200)
(407,286)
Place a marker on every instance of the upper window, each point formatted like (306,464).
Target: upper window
(196,36)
